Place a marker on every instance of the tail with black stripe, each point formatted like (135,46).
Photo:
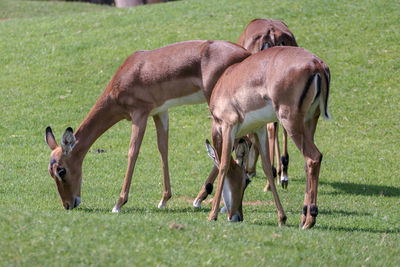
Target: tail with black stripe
(323,104)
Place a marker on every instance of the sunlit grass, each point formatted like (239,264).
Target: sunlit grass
(55,62)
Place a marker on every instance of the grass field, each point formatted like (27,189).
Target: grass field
(57,57)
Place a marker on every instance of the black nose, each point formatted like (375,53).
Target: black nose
(66,205)
(77,202)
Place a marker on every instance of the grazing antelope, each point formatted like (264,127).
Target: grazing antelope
(239,179)
(261,34)
(147,84)
(258,35)
(288,84)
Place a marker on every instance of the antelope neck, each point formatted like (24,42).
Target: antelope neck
(104,114)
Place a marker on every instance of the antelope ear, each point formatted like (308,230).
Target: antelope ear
(211,153)
(68,141)
(50,140)
(242,152)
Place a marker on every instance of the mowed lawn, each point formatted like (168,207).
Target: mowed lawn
(55,60)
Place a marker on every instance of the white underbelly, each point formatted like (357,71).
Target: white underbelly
(255,119)
(192,99)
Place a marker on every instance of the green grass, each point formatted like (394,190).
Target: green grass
(55,60)
(16,9)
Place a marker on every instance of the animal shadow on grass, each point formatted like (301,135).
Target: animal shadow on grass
(354,188)
(355,229)
(344,229)
(124,210)
(180,210)
(182,205)
(362,189)
(145,210)
(94,210)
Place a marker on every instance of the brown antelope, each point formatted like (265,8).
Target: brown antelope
(147,84)
(258,35)
(239,179)
(261,34)
(288,84)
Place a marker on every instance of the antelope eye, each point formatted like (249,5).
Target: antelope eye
(61,172)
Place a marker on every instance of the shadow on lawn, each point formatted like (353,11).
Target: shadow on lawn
(331,228)
(355,188)
(362,189)
(94,210)
(355,229)
(139,210)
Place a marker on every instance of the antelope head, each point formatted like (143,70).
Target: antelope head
(261,34)
(65,169)
(236,180)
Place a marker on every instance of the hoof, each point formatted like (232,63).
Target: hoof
(282,220)
(162,205)
(213,215)
(222,210)
(235,218)
(197,203)
(310,222)
(121,201)
(212,218)
(284,181)
(116,209)
(303,219)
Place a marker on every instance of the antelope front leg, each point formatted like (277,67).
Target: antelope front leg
(161,122)
(207,188)
(139,122)
(218,193)
(263,147)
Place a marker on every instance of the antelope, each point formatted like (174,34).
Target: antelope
(259,35)
(285,84)
(147,84)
